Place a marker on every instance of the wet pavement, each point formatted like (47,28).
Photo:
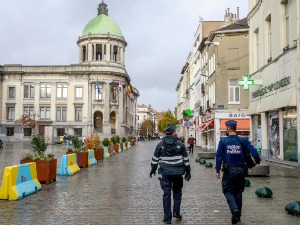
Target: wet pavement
(118,190)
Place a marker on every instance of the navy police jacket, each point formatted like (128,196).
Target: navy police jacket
(230,152)
(171,156)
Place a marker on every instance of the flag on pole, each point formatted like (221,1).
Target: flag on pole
(120,85)
(128,89)
(98,88)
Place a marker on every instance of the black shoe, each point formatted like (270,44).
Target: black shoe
(167,221)
(177,216)
(236,216)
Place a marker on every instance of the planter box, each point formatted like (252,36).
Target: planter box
(82,159)
(116,148)
(126,145)
(67,153)
(132,143)
(99,153)
(121,147)
(46,169)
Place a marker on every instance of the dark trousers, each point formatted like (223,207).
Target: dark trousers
(233,185)
(174,182)
(191,147)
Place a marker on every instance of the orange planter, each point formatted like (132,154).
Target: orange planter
(82,159)
(116,148)
(99,153)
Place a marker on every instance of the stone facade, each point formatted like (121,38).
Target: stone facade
(94,96)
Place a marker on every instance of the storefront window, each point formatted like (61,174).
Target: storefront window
(290,135)
(273,135)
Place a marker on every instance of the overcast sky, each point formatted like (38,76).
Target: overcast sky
(159,33)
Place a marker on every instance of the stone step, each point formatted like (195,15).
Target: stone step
(262,170)
(207,155)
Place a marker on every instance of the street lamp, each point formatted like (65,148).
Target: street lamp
(215,43)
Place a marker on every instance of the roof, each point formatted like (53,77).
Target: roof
(240,24)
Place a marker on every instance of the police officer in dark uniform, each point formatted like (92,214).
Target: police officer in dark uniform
(173,162)
(231,154)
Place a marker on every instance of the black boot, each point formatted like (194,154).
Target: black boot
(177,216)
(236,216)
(167,221)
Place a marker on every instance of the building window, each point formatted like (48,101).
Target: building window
(11,92)
(27,132)
(78,132)
(60,131)
(290,139)
(44,113)
(233,59)
(28,91)
(45,91)
(10,113)
(78,92)
(61,113)
(29,110)
(62,91)
(234,91)
(10,131)
(114,94)
(98,91)
(78,113)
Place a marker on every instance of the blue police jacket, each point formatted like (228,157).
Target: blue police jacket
(171,156)
(230,152)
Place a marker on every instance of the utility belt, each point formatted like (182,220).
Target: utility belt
(226,168)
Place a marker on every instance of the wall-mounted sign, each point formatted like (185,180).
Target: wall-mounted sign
(220,106)
(208,117)
(281,83)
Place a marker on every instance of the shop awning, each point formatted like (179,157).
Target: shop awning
(253,108)
(242,124)
(206,125)
(266,103)
(285,98)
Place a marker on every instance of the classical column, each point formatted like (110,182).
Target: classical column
(90,52)
(89,109)
(121,112)
(80,54)
(106,122)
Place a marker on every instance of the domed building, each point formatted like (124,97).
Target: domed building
(93,96)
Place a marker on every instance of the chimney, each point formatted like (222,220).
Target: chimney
(238,12)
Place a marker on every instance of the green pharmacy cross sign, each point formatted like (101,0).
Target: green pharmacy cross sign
(188,112)
(246,82)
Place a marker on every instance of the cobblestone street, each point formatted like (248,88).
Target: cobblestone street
(118,190)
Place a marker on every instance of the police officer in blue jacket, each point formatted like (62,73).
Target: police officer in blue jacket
(231,154)
(172,158)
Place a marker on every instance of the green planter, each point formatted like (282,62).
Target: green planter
(264,192)
(247,182)
(293,208)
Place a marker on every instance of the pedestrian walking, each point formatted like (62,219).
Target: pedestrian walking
(1,144)
(82,140)
(191,142)
(171,156)
(230,153)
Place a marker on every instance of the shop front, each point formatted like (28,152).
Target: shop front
(243,124)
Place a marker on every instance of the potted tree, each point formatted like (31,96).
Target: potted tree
(116,140)
(45,164)
(124,143)
(105,143)
(99,151)
(81,153)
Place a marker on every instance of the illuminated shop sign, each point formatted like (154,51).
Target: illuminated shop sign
(283,82)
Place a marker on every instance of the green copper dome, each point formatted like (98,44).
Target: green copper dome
(102,24)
